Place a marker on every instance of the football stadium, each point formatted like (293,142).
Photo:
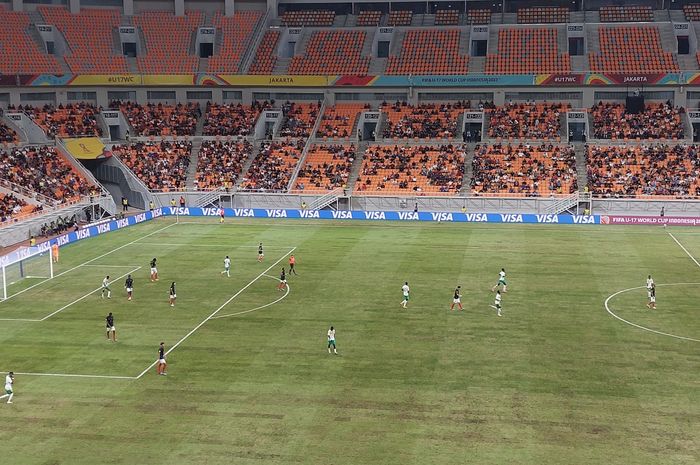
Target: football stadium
(357,232)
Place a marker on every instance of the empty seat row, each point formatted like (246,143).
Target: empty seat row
(236,34)
(429,51)
(308,18)
(626,13)
(543,15)
(528,51)
(332,52)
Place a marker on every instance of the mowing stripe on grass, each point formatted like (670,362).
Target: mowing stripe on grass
(218,310)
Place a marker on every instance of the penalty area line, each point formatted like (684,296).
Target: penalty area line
(684,249)
(230,299)
(256,308)
(70,375)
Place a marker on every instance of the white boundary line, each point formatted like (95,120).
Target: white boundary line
(217,246)
(607,307)
(69,375)
(112,266)
(91,260)
(684,249)
(256,308)
(230,299)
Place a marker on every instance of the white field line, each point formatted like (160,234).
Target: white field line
(86,295)
(607,307)
(215,246)
(112,266)
(70,375)
(684,249)
(256,308)
(91,260)
(218,310)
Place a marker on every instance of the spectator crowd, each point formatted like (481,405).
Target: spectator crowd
(657,121)
(299,119)
(71,120)
(425,121)
(220,163)
(273,166)
(326,167)
(159,119)
(160,165)
(10,206)
(232,119)
(526,121)
(7,134)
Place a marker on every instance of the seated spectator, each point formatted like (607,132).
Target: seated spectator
(644,170)
(325,168)
(657,121)
(414,170)
(426,121)
(220,163)
(43,170)
(338,121)
(71,120)
(11,207)
(526,121)
(530,170)
(158,119)
(160,165)
(59,226)
(299,119)
(273,167)
(7,134)
(232,119)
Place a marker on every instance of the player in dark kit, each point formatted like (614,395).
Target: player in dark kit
(161,366)
(110,327)
(457,299)
(283,281)
(173,295)
(261,254)
(129,286)
(154,270)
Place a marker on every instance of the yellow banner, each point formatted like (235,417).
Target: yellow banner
(86,148)
(168,79)
(106,80)
(278,81)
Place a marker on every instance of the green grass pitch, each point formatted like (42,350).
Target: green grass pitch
(556,380)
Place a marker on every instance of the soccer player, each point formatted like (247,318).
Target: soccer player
(9,381)
(406,291)
(129,285)
(283,281)
(227,266)
(110,327)
(457,299)
(105,288)
(154,270)
(173,295)
(162,365)
(497,303)
(261,254)
(221,216)
(501,280)
(650,282)
(292,262)
(54,252)
(331,341)
(651,293)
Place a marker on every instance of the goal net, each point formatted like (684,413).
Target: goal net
(23,267)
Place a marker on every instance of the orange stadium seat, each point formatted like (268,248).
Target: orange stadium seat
(299,119)
(369,18)
(160,119)
(325,168)
(90,38)
(692,12)
(446,18)
(339,121)
(168,39)
(265,58)
(429,51)
(332,52)
(657,121)
(19,53)
(400,18)
(426,121)
(308,18)
(70,120)
(160,165)
(273,166)
(543,15)
(236,33)
(528,51)
(526,121)
(220,163)
(632,49)
(626,14)
(479,16)
(12,207)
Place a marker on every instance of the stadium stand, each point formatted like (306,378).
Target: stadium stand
(527,51)
(426,121)
(89,35)
(543,15)
(299,119)
(524,170)
(447,18)
(339,121)
(429,51)
(658,121)
(317,18)
(526,121)
(71,120)
(161,165)
(479,16)
(265,58)
(19,53)
(236,34)
(43,170)
(232,119)
(325,168)
(332,52)
(369,18)
(415,170)
(626,14)
(168,39)
(692,12)
(12,207)
(160,119)
(644,170)
(400,18)
(220,163)
(7,134)
(273,167)
(632,49)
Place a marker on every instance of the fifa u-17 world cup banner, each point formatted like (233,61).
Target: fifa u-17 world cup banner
(650,220)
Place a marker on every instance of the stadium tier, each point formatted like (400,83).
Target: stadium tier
(220,163)
(657,121)
(632,49)
(160,119)
(479,16)
(326,167)
(369,18)
(19,52)
(161,165)
(236,33)
(233,119)
(308,18)
(429,51)
(265,59)
(541,15)
(338,121)
(626,14)
(332,52)
(299,119)
(168,38)
(69,120)
(273,166)
(524,170)
(525,50)
(400,18)
(527,121)
(427,121)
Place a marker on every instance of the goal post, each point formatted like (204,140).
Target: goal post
(23,264)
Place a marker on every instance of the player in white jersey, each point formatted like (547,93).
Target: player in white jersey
(105,288)
(406,291)
(650,282)
(9,382)
(501,280)
(497,303)
(227,267)
(651,293)
(331,340)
